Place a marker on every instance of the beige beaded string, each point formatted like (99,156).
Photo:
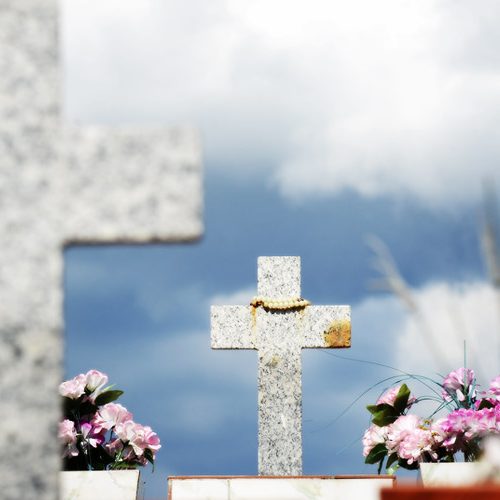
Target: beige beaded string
(279,305)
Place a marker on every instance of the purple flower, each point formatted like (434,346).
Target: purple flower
(495,388)
(91,435)
(459,384)
(490,419)
(463,425)
(412,439)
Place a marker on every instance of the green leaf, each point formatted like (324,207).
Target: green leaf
(485,404)
(377,408)
(392,464)
(405,465)
(107,397)
(149,457)
(377,454)
(401,400)
(87,408)
(383,414)
(380,465)
(123,466)
(385,417)
(382,419)
(373,408)
(69,405)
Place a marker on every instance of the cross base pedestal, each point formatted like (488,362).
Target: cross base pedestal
(277,487)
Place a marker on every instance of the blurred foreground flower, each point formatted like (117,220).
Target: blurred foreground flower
(98,434)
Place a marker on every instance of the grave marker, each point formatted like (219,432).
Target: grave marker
(279,325)
(61,185)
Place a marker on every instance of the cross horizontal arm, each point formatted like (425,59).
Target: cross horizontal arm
(233,327)
(327,327)
(132,184)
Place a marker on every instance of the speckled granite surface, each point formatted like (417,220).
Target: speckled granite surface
(61,184)
(279,337)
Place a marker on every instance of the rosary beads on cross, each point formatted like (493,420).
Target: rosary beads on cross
(279,305)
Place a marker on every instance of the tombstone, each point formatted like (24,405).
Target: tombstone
(279,323)
(59,185)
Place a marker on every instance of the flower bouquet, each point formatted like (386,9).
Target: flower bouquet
(98,434)
(406,440)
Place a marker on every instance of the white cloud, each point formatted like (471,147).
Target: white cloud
(392,97)
(452,314)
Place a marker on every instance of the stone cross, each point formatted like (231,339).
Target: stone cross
(279,335)
(59,185)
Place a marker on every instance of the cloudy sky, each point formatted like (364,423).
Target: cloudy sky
(328,127)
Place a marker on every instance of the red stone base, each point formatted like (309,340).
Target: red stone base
(441,493)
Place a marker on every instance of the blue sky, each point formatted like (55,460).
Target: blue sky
(321,127)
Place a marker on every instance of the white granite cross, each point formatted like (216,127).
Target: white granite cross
(279,336)
(61,185)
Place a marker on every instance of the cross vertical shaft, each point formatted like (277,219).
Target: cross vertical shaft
(279,335)
(280,371)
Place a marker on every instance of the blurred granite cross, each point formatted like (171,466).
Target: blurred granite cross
(61,185)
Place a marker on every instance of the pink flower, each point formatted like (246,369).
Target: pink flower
(95,381)
(488,421)
(110,415)
(373,435)
(438,432)
(145,439)
(128,454)
(389,396)
(415,444)
(462,426)
(91,435)
(73,388)
(458,384)
(138,436)
(114,447)
(125,430)
(398,430)
(411,440)
(457,420)
(67,436)
(495,388)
